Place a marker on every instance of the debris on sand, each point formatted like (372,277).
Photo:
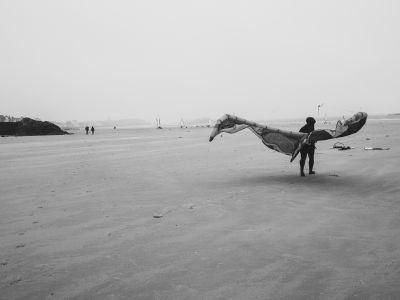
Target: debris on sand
(3,263)
(375,148)
(334,175)
(29,126)
(341,146)
(337,145)
(345,148)
(15,280)
(21,245)
(162,212)
(189,206)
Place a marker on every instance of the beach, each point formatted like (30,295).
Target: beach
(164,214)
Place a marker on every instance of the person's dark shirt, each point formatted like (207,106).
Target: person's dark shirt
(307,128)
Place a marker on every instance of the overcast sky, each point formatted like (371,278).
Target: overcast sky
(85,60)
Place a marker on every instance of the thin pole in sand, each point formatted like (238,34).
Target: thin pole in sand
(158,121)
(319,106)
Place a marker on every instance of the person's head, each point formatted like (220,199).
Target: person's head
(310,121)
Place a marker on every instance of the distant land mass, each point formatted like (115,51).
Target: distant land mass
(74,124)
(28,126)
(125,122)
(204,121)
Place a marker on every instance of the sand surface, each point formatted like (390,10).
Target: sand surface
(164,214)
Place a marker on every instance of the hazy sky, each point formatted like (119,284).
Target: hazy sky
(65,60)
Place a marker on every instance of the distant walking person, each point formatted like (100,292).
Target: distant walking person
(87,129)
(307,149)
(92,130)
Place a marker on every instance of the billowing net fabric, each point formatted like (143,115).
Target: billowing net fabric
(288,142)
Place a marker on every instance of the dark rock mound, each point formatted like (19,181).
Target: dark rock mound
(28,126)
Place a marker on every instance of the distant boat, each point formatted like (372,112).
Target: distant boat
(182,124)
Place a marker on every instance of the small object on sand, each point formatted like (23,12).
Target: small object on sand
(157,216)
(338,145)
(375,148)
(345,148)
(21,245)
(3,263)
(15,280)
(341,146)
(367,139)
(334,175)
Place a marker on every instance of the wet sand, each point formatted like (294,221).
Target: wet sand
(164,214)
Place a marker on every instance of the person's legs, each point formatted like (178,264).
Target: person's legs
(303,154)
(311,160)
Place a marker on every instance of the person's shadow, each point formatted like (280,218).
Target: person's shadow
(319,181)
